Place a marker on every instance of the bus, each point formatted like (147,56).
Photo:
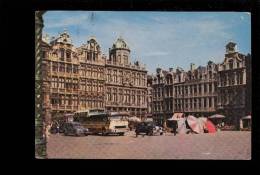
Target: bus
(98,121)
(118,122)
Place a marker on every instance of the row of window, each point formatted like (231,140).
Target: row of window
(92,72)
(62,67)
(232,97)
(64,53)
(231,79)
(85,103)
(126,97)
(119,59)
(194,103)
(62,82)
(121,77)
(231,65)
(197,88)
(92,86)
(62,99)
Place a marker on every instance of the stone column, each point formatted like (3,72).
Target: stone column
(40,135)
(244,76)
(202,89)
(212,102)
(207,103)
(227,80)
(213,88)
(235,77)
(202,103)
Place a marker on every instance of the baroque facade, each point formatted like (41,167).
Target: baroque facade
(234,84)
(126,86)
(83,78)
(215,88)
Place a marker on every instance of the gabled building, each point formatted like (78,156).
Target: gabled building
(126,83)
(234,85)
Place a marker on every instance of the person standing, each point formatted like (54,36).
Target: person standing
(175,128)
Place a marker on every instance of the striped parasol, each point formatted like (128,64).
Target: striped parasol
(194,124)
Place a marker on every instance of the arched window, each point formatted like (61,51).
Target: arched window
(62,52)
(68,55)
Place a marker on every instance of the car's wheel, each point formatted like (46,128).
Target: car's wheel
(121,134)
(161,133)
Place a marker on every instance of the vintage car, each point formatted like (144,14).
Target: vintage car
(148,128)
(74,128)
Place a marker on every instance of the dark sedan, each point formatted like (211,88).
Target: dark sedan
(74,128)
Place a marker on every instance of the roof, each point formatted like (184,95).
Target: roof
(120,44)
(63,38)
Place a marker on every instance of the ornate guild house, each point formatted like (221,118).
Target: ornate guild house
(126,86)
(223,88)
(234,84)
(83,78)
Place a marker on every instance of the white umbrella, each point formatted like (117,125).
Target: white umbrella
(217,116)
(194,124)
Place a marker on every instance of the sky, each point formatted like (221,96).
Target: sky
(157,39)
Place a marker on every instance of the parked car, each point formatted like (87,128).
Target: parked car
(148,128)
(74,128)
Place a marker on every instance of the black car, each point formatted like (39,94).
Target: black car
(148,128)
(74,128)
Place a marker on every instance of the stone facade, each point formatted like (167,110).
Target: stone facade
(216,88)
(83,78)
(234,85)
(126,83)
(92,75)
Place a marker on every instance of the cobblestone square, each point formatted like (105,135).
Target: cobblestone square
(224,145)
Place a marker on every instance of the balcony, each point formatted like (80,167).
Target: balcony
(68,107)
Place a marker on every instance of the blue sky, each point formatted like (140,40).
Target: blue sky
(164,39)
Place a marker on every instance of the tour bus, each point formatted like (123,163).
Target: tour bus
(118,122)
(99,121)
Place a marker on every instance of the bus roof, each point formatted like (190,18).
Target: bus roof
(119,114)
(96,113)
(91,110)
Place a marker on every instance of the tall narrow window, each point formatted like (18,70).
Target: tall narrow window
(62,54)
(68,56)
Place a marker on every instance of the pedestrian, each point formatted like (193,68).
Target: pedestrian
(175,128)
